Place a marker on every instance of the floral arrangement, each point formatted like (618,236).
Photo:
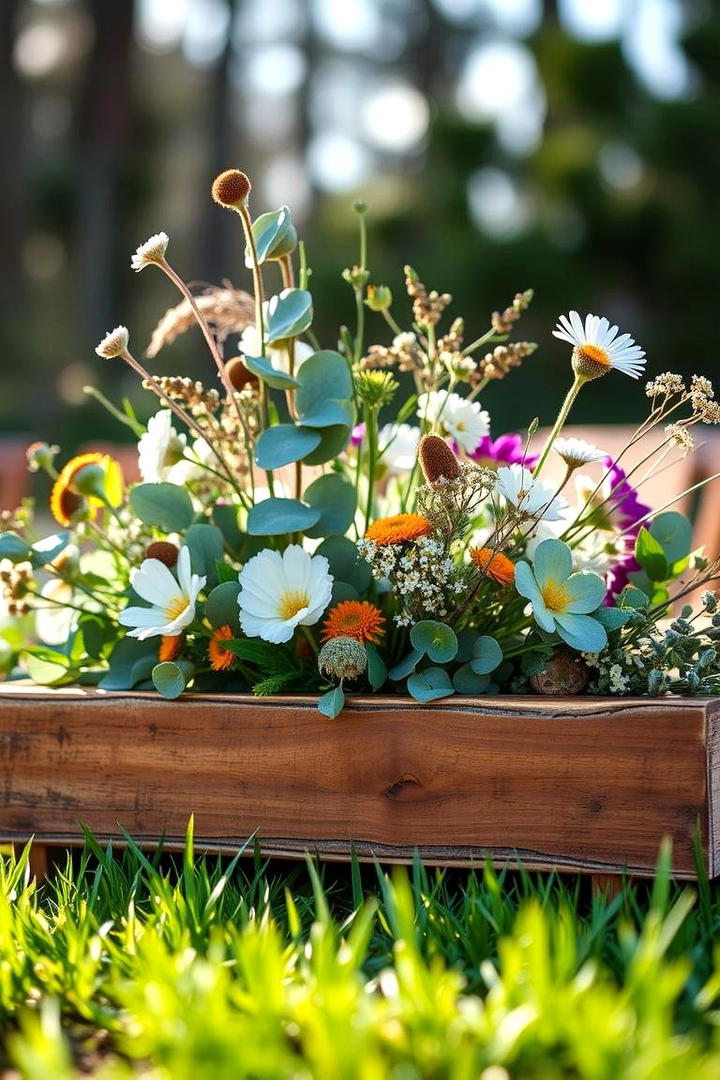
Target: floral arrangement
(341,519)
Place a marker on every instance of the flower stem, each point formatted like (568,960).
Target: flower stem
(371,434)
(561,420)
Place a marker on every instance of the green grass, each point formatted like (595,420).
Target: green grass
(124,965)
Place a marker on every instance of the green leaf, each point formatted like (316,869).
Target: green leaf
(377,671)
(268,657)
(323,377)
(275,517)
(97,633)
(633,597)
(164,506)
(168,679)
(429,685)
(47,549)
(47,668)
(466,643)
(466,681)
(13,547)
(342,590)
(333,442)
(283,444)
(332,703)
(329,413)
(435,639)
(334,496)
(612,618)
(673,532)
(289,314)
(487,655)
(406,665)
(221,606)
(261,366)
(206,549)
(274,235)
(650,554)
(345,562)
(225,516)
(130,662)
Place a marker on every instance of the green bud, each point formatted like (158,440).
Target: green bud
(90,481)
(360,206)
(379,297)
(343,658)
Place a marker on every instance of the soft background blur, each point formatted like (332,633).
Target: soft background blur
(571,146)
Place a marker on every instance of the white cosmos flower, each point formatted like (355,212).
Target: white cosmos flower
(250,346)
(530,496)
(152,251)
(463,420)
(398,447)
(577,452)
(172,598)
(160,448)
(281,591)
(598,342)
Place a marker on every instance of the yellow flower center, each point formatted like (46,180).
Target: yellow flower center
(555,595)
(594,352)
(293,601)
(176,607)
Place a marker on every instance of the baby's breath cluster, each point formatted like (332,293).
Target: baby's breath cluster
(425,578)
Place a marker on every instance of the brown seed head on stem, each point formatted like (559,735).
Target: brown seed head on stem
(163,551)
(437,459)
(231,188)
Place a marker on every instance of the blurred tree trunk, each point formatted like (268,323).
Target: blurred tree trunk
(102,145)
(13,174)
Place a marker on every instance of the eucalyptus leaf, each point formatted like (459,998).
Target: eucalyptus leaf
(206,548)
(130,662)
(430,684)
(435,639)
(276,517)
(288,314)
(487,655)
(377,671)
(13,547)
(332,703)
(345,562)
(221,606)
(323,377)
(168,679)
(164,506)
(466,681)
(673,532)
(272,376)
(275,236)
(341,591)
(612,618)
(283,444)
(334,496)
(332,411)
(406,666)
(47,549)
(333,442)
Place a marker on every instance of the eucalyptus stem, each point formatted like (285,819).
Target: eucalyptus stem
(561,420)
(371,433)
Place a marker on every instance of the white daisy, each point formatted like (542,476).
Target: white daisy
(530,496)
(280,591)
(114,343)
(463,420)
(160,448)
(250,346)
(597,347)
(577,452)
(172,599)
(152,251)
(398,447)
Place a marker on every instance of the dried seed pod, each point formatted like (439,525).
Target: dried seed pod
(566,674)
(164,551)
(437,459)
(231,188)
(238,374)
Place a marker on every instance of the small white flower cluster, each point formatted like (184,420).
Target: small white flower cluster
(422,574)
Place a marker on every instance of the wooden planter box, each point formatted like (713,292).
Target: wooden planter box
(583,784)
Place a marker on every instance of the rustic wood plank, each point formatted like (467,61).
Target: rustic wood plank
(579,784)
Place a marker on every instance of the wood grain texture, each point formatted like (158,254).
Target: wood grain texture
(579,784)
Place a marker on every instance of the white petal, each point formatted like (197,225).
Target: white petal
(154,582)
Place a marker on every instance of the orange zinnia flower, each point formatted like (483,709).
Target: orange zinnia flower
(65,502)
(221,658)
(169,648)
(357,619)
(398,529)
(494,564)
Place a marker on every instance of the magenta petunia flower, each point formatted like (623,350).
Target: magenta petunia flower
(626,511)
(505,450)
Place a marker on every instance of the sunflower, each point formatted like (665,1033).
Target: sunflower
(67,504)
(221,659)
(169,648)
(494,564)
(357,619)
(399,529)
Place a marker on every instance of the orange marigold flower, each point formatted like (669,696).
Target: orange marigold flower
(169,648)
(66,503)
(398,529)
(357,619)
(494,564)
(221,658)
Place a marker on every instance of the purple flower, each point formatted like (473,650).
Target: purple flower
(358,434)
(626,512)
(505,450)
